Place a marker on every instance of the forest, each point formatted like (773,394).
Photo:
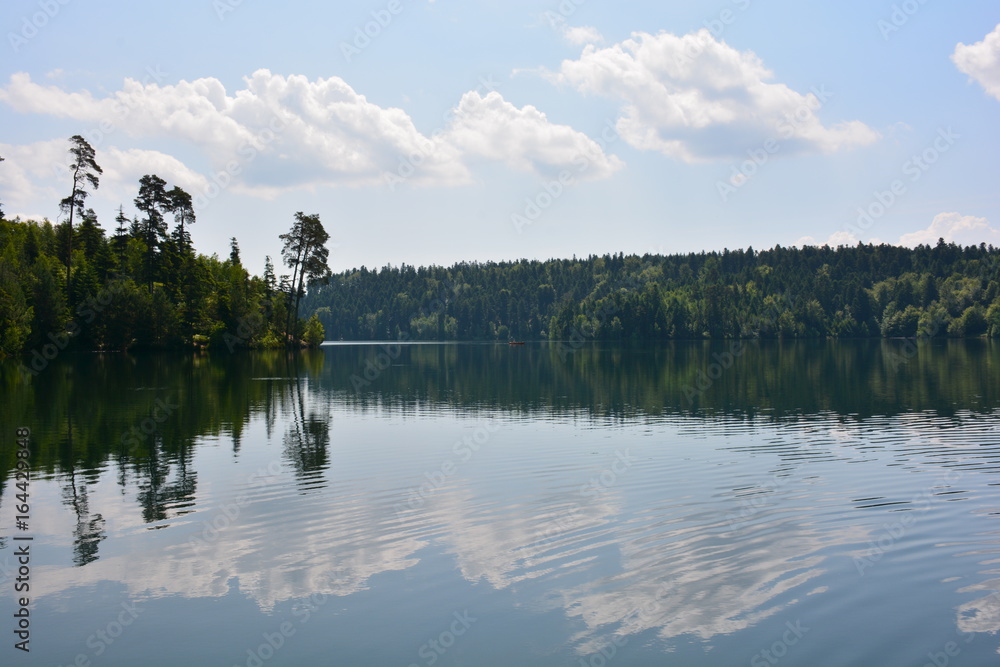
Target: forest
(143,286)
(847,292)
(71,285)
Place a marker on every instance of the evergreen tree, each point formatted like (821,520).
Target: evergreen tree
(120,239)
(182,206)
(270,282)
(234,252)
(85,171)
(304,252)
(154,202)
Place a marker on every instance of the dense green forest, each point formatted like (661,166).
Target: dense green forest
(71,286)
(861,291)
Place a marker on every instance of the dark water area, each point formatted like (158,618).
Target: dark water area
(761,503)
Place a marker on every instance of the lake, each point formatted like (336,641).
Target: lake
(807,503)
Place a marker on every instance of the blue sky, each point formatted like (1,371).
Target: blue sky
(435,132)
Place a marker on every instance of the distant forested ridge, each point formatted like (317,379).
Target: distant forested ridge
(860,291)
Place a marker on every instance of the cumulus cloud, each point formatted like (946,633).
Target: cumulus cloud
(524,139)
(280,133)
(954,228)
(696,99)
(40,172)
(981,61)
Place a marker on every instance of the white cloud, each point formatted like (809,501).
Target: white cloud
(124,168)
(576,35)
(963,230)
(39,172)
(981,61)
(836,239)
(580,35)
(696,99)
(283,133)
(24,171)
(312,132)
(524,139)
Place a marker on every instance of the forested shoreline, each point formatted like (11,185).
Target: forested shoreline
(846,292)
(196,300)
(71,285)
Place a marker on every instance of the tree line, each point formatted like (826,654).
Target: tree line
(846,292)
(71,285)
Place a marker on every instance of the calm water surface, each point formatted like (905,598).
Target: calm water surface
(793,504)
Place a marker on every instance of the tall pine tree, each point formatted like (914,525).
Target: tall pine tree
(85,171)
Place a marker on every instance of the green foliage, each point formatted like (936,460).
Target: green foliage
(197,300)
(811,292)
(146,288)
(972,322)
(48,301)
(15,313)
(314,334)
(306,254)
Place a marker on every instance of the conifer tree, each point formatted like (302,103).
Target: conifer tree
(85,171)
